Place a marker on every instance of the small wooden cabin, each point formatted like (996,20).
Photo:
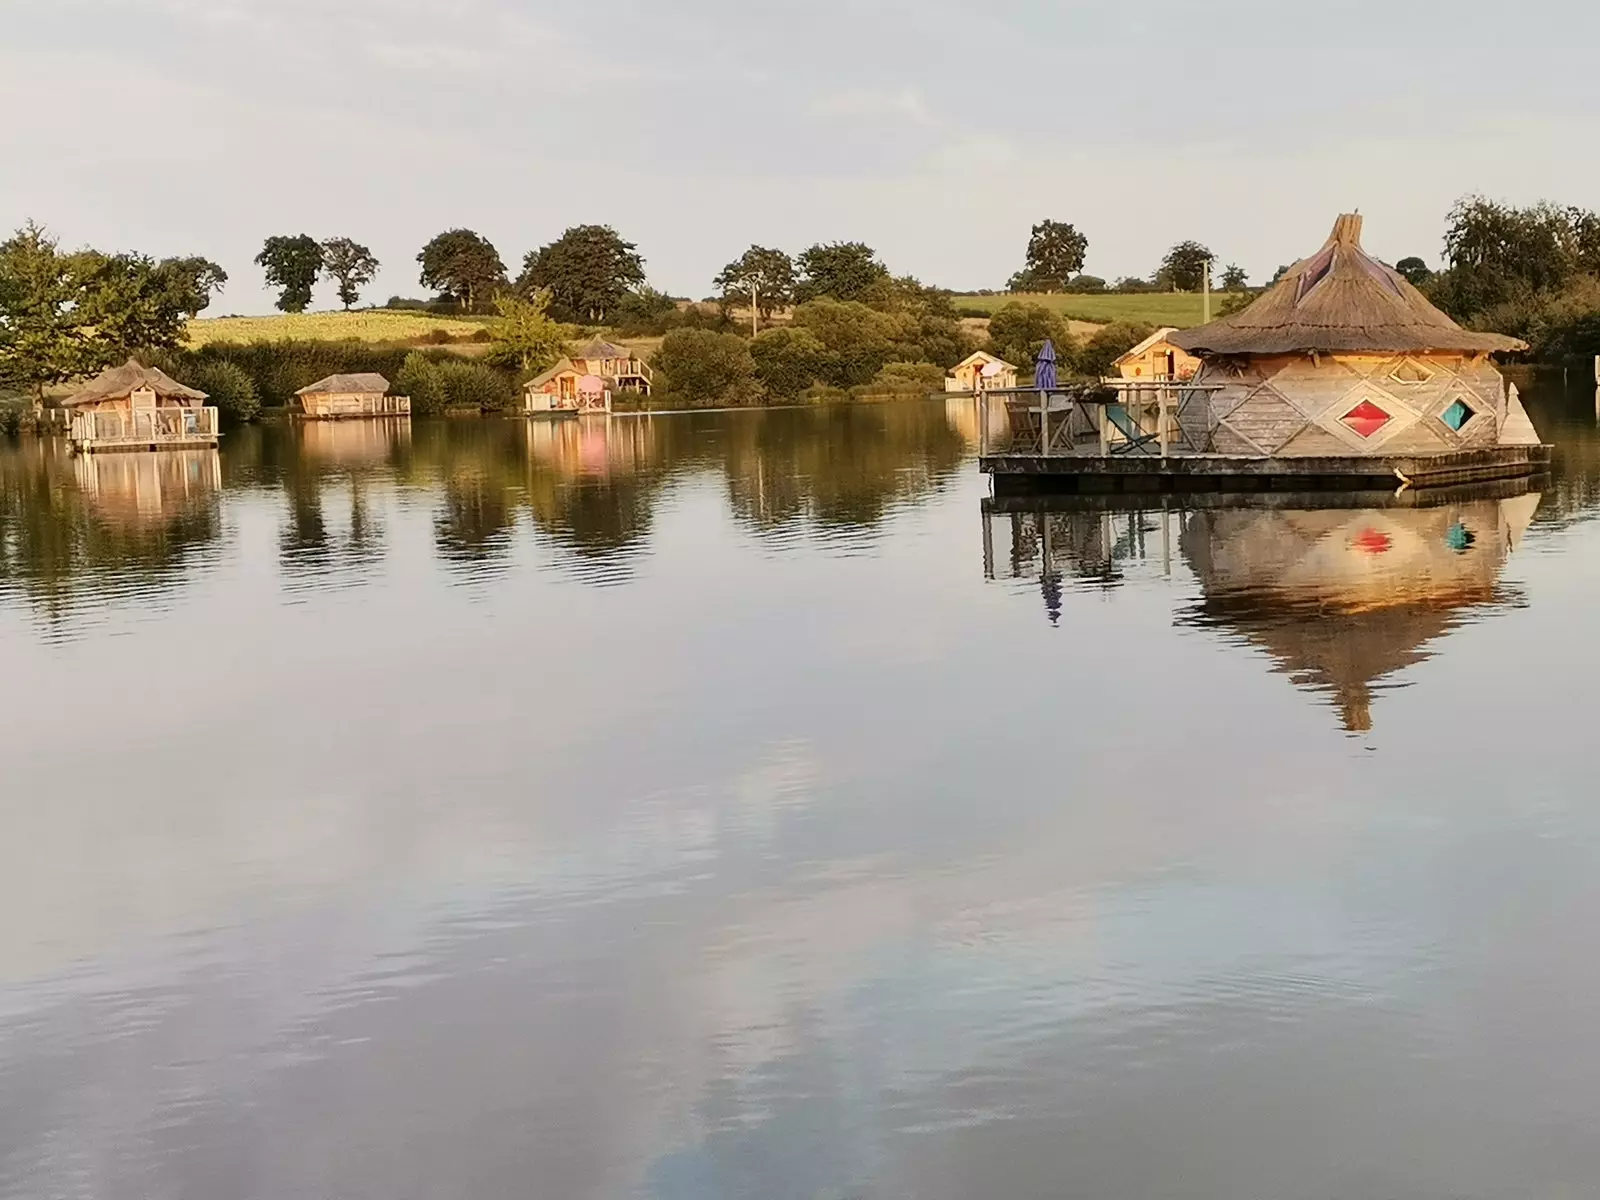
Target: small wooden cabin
(341,397)
(1343,357)
(1157,358)
(980,371)
(619,368)
(557,392)
(134,407)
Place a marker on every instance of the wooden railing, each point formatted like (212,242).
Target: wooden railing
(145,427)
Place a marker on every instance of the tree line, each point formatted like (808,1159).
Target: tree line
(1057,250)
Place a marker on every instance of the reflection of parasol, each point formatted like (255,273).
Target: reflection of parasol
(1044,367)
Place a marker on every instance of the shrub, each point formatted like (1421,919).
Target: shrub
(704,368)
(1017,332)
(822,393)
(1085,284)
(857,340)
(229,387)
(474,385)
(419,378)
(1108,344)
(787,361)
(906,379)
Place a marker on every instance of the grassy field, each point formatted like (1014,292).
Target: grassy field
(376,325)
(1149,308)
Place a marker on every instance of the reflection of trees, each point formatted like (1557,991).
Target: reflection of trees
(62,545)
(1568,417)
(844,465)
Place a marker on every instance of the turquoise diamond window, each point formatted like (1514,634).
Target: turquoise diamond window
(1457,415)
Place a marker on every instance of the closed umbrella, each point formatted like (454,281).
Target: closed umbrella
(1044,367)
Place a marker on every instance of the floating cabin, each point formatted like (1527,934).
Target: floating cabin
(1341,374)
(1157,358)
(134,407)
(587,381)
(979,371)
(344,397)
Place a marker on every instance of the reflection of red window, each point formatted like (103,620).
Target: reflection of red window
(1373,541)
(1366,418)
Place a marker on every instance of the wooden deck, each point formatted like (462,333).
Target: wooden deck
(1219,471)
(152,429)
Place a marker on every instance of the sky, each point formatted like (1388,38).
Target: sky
(936,131)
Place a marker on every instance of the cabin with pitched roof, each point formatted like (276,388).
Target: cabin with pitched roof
(1341,372)
(1157,358)
(980,371)
(135,407)
(340,397)
(586,381)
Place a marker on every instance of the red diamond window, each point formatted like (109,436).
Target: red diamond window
(1366,418)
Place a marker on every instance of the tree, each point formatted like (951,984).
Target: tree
(857,341)
(193,280)
(41,336)
(760,279)
(523,335)
(351,265)
(1184,268)
(291,264)
(843,270)
(1234,278)
(587,270)
(787,360)
(1056,252)
(462,266)
(1109,343)
(705,368)
(1017,332)
(131,304)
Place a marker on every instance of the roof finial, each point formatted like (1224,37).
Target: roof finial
(1347,230)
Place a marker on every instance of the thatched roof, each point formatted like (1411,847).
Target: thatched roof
(364,384)
(120,382)
(1341,299)
(600,348)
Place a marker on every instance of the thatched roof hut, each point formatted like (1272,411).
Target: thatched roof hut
(1341,299)
(118,384)
(1343,358)
(363,383)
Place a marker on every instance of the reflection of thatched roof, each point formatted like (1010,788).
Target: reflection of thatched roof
(1339,299)
(121,382)
(361,384)
(1343,598)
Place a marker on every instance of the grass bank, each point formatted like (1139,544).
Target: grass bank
(377,326)
(1145,308)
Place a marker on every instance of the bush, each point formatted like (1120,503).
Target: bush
(823,393)
(419,378)
(1017,332)
(857,340)
(905,379)
(229,387)
(787,361)
(12,416)
(1086,284)
(705,369)
(1108,344)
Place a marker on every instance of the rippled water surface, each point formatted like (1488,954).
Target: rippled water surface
(743,805)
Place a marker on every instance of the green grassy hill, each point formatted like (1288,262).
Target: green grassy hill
(1149,308)
(382,326)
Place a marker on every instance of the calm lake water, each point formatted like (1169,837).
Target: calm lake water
(735,805)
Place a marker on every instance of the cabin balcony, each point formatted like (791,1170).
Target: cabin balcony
(356,406)
(147,429)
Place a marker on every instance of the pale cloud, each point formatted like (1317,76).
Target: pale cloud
(709,124)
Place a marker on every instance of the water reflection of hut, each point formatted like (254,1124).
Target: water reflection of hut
(1341,599)
(148,485)
(355,443)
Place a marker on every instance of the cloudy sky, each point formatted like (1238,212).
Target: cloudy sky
(936,130)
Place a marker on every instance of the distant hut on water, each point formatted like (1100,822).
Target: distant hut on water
(1344,357)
